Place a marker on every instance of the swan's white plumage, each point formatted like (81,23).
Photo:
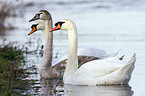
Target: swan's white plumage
(105,71)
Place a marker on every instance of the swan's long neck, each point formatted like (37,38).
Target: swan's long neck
(48,47)
(72,62)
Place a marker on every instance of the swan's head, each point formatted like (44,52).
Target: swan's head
(65,24)
(42,14)
(38,25)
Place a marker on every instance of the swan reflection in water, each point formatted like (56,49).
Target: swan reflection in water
(56,88)
(114,90)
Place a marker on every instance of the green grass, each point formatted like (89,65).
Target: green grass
(12,71)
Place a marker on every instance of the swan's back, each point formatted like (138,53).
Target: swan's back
(106,71)
(86,51)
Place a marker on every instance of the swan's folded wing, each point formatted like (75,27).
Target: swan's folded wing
(83,51)
(90,51)
(98,68)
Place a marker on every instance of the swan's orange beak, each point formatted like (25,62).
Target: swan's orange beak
(32,30)
(55,28)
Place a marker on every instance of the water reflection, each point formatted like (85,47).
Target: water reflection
(117,90)
(52,87)
(55,87)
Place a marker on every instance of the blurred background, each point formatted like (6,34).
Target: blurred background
(111,25)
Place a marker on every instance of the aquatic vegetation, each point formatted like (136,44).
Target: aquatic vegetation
(13,71)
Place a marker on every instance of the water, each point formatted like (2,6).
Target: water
(109,25)
(116,90)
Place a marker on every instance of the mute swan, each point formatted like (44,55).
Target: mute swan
(97,72)
(47,55)
(58,69)
(86,54)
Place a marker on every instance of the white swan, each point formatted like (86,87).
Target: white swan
(45,68)
(96,72)
(55,70)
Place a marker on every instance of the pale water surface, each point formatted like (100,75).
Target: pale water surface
(107,24)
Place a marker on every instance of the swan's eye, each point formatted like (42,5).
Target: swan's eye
(56,24)
(60,23)
(34,25)
(38,15)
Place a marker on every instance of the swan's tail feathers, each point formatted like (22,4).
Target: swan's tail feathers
(127,69)
(132,60)
(112,54)
(130,64)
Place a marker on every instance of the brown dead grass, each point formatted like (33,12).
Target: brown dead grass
(6,8)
